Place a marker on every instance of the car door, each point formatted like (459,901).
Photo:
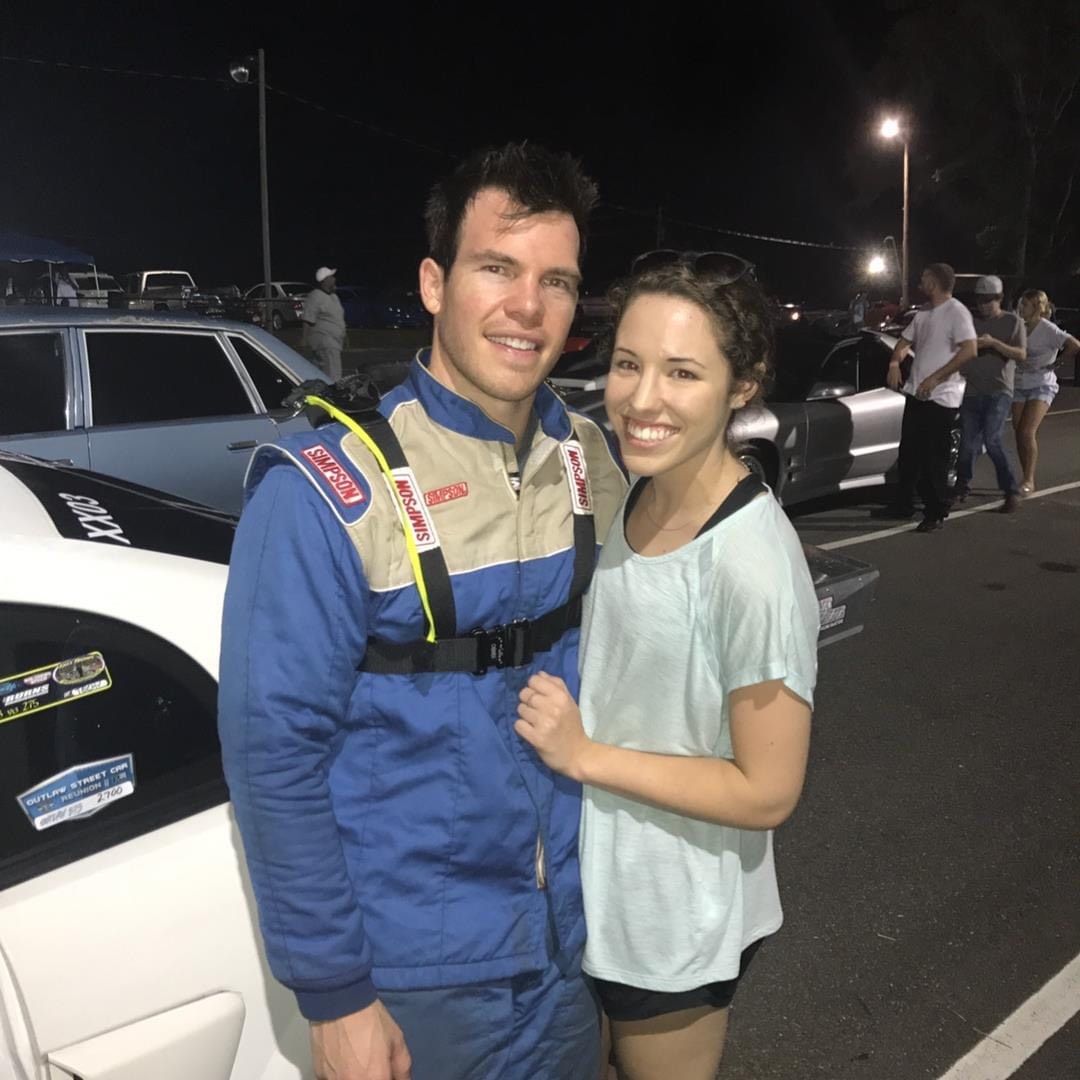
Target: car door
(127,942)
(40,410)
(877,413)
(169,408)
(853,418)
(830,460)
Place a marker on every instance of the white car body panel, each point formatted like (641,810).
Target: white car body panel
(103,959)
(198,1039)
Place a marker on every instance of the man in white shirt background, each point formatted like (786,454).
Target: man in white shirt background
(942,337)
(324,323)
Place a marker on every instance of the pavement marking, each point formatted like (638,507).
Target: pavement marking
(1061,412)
(881,534)
(1018,1036)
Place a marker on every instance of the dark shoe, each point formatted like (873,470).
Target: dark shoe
(1012,503)
(959,493)
(930,525)
(893,513)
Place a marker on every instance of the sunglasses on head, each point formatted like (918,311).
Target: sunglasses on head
(722,265)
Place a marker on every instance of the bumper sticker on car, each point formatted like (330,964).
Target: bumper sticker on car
(55,684)
(79,792)
(829,616)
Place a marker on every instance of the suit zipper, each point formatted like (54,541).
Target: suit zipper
(541,870)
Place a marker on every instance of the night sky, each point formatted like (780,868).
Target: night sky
(756,117)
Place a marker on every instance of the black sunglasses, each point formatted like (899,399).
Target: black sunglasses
(722,265)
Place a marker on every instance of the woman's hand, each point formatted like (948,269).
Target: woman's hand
(550,722)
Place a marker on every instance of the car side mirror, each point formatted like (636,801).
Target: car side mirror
(827,391)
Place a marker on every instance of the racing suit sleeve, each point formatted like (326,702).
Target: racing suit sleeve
(293,631)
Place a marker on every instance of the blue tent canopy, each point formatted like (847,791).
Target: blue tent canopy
(18,247)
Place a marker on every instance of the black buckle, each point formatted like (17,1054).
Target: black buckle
(504,646)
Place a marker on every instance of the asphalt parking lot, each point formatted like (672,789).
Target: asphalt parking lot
(931,873)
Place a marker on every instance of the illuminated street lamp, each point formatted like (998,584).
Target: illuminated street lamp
(876,266)
(891,128)
(242,71)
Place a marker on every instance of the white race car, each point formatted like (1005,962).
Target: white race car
(128,938)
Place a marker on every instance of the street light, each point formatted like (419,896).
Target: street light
(876,266)
(240,71)
(891,128)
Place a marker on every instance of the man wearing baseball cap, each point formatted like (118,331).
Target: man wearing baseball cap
(1002,340)
(324,323)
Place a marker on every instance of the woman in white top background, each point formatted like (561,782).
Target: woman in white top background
(699,659)
(1035,384)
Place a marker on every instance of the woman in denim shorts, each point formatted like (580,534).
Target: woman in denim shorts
(1035,383)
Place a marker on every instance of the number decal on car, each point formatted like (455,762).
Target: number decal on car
(54,684)
(79,792)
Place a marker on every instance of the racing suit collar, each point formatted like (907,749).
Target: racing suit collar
(451,410)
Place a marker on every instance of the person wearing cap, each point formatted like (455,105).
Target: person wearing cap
(324,323)
(943,339)
(1002,341)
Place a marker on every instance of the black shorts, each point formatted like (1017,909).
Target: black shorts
(622,1002)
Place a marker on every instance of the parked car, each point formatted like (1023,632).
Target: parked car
(233,304)
(95,289)
(286,302)
(171,400)
(827,424)
(128,940)
(369,308)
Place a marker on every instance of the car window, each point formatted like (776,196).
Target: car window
(106,732)
(254,292)
(842,365)
(32,372)
(295,288)
(271,382)
(874,356)
(140,377)
(168,281)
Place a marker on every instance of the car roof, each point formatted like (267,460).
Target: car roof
(44,315)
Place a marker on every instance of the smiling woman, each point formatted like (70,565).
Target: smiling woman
(691,738)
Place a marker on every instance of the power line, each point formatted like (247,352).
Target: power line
(222,81)
(113,70)
(731,232)
(359,123)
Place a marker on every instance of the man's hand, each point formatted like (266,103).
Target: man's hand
(926,387)
(892,377)
(365,1045)
(985,341)
(550,721)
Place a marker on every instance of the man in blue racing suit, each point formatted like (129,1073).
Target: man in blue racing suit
(397,576)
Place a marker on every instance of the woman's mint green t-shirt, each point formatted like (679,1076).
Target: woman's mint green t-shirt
(670,901)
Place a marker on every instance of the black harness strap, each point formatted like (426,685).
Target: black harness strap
(512,644)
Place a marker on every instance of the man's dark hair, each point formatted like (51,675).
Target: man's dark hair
(536,179)
(943,274)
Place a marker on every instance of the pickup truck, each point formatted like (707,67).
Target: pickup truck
(168,290)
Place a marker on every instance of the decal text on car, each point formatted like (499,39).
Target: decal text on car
(94,518)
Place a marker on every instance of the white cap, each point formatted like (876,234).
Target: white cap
(990,285)
(323,273)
